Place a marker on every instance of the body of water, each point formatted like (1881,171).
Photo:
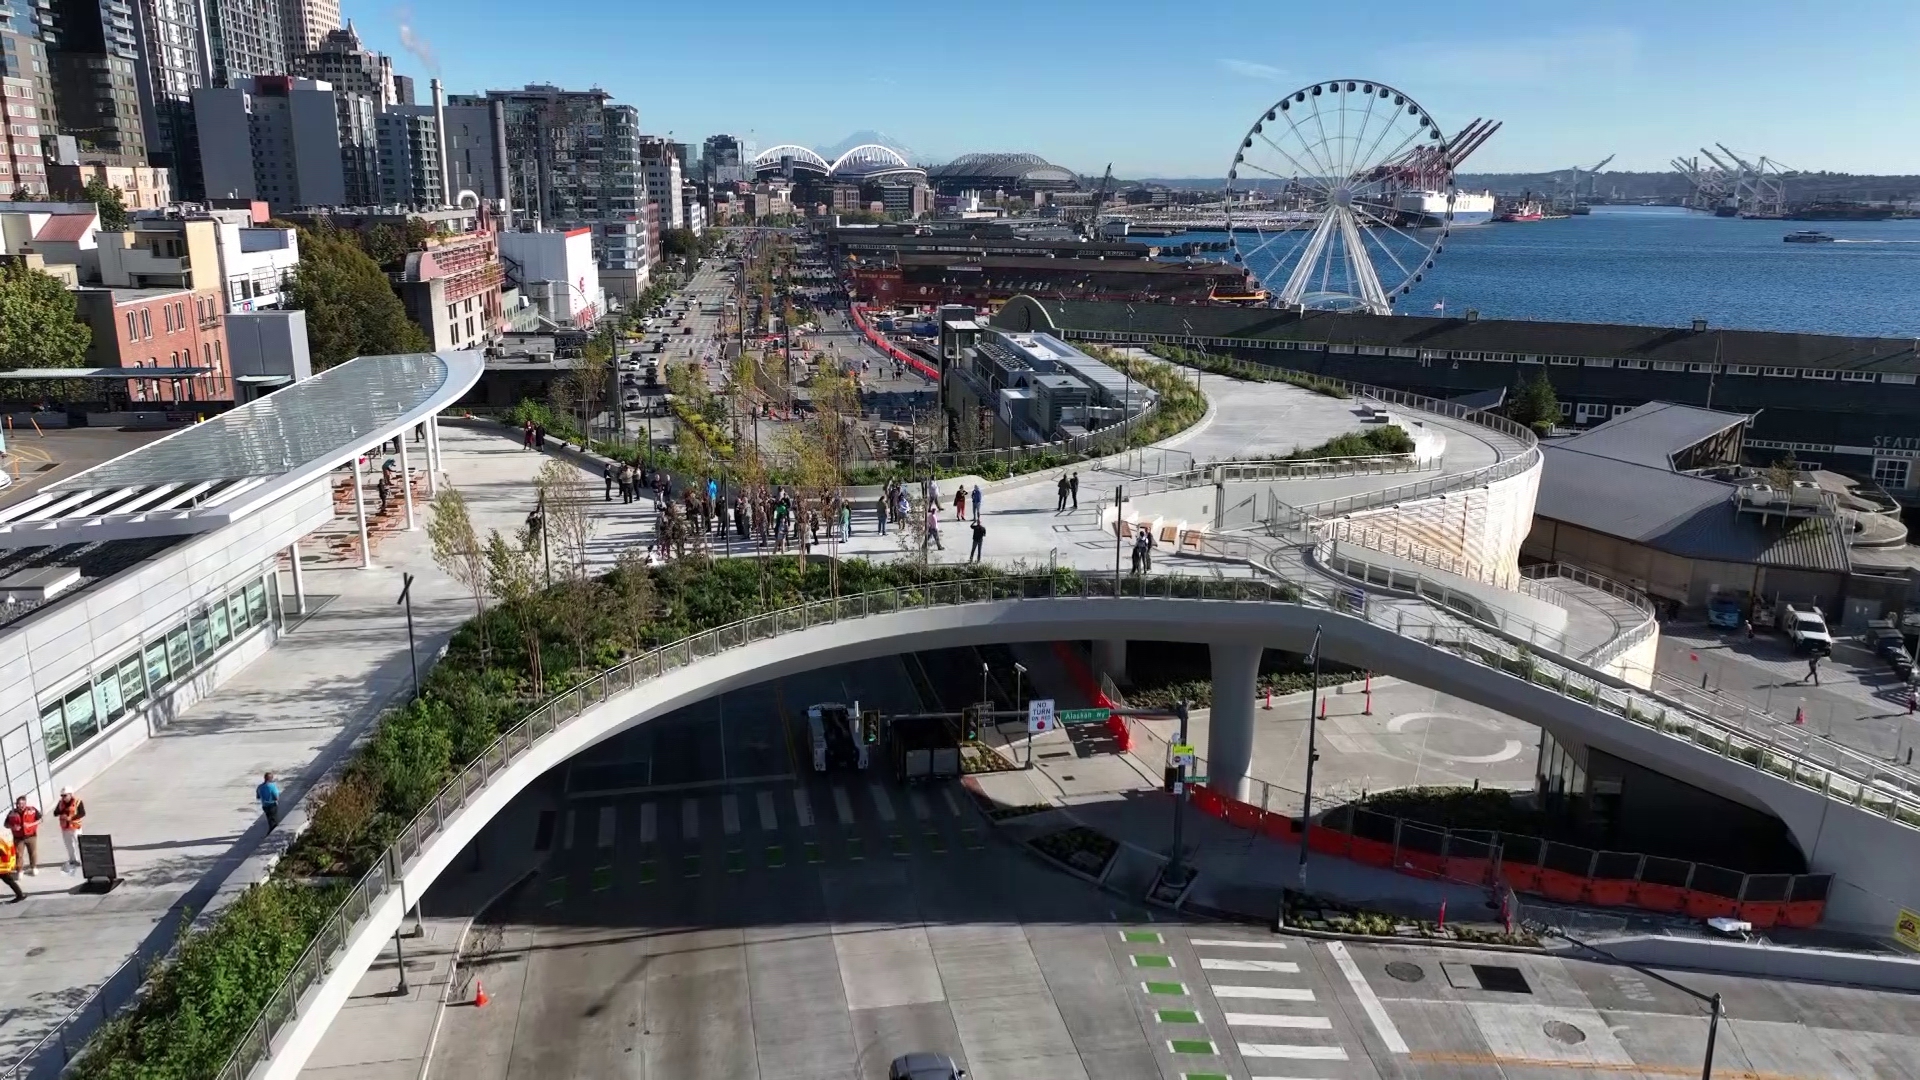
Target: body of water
(1664,266)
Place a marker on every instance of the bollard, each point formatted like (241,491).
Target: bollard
(1368,709)
(1443,914)
(1269,705)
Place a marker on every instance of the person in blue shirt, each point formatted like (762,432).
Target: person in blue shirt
(269,795)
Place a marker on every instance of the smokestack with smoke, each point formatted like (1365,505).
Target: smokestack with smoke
(411,41)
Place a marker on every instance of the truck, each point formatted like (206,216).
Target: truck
(1807,629)
(834,732)
(923,749)
(1725,611)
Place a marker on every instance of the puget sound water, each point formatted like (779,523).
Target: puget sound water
(1664,266)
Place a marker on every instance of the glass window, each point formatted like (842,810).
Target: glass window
(237,611)
(202,626)
(222,630)
(108,704)
(133,683)
(157,671)
(179,652)
(257,601)
(53,730)
(81,720)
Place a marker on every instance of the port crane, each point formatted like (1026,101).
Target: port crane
(1707,185)
(1099,200)
(1759,188)
(1580,181)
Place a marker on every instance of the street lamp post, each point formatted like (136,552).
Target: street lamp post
(406,598)
(1313,755)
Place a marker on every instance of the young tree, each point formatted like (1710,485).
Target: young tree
(38,329)
(513,575)
(351,308)
(631,598)
(457,550)
(1535,404)
(112,206)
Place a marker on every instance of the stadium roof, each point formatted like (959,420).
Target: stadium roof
(205,476)
(1002,170)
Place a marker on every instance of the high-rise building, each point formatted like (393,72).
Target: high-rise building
(172,63)
(720,160)
(403,89)
(358,132)
(660,167)
(94,54)
(24,29)
(23,165)
(573,160)
(278,140)
(473,158)
(304,24)
(352,68)
(245,40)
(410,166)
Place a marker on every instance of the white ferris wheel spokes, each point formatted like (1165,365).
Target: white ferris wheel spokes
(1340,196)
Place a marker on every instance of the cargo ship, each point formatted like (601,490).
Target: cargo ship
(1840,212)
(1428,209)
(1526,210)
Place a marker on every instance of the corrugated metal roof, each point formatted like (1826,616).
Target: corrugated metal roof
(1653,433)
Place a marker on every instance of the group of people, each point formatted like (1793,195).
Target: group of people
(767,518)
(533,436)
(22,836)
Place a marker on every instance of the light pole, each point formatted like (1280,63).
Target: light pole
(1020,670)
(1313,755)
(406,598)
(1119,504)
(1176,872)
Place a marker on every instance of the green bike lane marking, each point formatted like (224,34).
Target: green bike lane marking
(776,856)
(1177,1016)
(646,871)
(602,877)
(690,866)
(1203,1047)
(1142,937)
(1151,960)
(1165,989)
(812,848)
(900,848)
(736,861)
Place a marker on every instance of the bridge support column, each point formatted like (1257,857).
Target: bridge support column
(1236,669)
(1110,659)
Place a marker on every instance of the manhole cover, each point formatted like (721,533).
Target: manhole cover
(1405,972)
(1562,1032)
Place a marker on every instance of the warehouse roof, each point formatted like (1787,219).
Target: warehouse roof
(1653,434)
(1441,335)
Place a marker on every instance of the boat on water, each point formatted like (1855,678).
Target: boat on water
(1808,236)
(1427,209)
(1526,210)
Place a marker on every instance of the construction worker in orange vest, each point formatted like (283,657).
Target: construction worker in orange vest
(9,869)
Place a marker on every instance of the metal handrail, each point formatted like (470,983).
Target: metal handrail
(1871,792)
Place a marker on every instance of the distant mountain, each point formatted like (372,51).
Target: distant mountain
(860,138)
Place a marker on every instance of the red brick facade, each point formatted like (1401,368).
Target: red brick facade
(160,328)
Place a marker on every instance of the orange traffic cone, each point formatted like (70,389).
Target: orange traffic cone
(480,998)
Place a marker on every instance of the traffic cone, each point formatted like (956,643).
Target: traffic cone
(480,997)
(1800,715)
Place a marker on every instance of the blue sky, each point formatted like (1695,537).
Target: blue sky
(1166,89)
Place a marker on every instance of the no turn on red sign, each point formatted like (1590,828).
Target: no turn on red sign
(1040,716)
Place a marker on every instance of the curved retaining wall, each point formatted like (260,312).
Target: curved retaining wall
(1848,841)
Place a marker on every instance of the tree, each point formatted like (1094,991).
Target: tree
(351,309)
(112,206)
(38,329)
(1535,405)
(457,550)
(513,575)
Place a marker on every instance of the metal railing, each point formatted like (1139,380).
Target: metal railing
(70,1032)
(1840,779)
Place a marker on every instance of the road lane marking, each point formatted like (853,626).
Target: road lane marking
(1293,1051)
(1165,989)
(689,819)
(1369,1001)
(842,805)
(1303,1023)
(1201,1047)
(919,803)
(648,823)
(1263,993)
(730,813)
(881,802)
(1220,943)
(1149,960)
(1283,967)
(953,807)
(803,808)
(605,838)
(768,822)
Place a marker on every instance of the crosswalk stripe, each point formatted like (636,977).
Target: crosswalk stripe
(1224,943)
(1215,963)
(1369,1001)
(768,822)
(920,808)
(605,838)
(1293,1051)
(1303,1023)
(648,823)
(1263,993)
(881,802)
(842,805)
(952,806)
(730,813)
(690,819)
(803,807)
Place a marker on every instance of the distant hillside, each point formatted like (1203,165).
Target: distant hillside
(1805,187)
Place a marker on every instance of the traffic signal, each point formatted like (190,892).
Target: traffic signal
(1172,778)
(870,726)
(1180,712)
(970,721)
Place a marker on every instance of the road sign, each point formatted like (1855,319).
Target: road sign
(1083,716)
(1040,716)
(1906,929)
(1180,754)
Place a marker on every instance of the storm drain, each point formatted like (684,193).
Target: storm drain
(1504,980)
(1562,1032)
(1405,972)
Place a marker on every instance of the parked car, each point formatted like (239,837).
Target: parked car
(924,1066)
(1888,644)
(1807,629)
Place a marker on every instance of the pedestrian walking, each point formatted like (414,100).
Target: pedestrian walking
(539,437)
(979,536)
(23,825)
(606,482)
(960,504)
(1073,488)
(1060,503)
(1139,550)
(268,793)
(71,813)
(10,869)
(1147,535)
(933,530)
(880,511)
(846,520)
(1813,669)
(526,435)
(1748,624)
(976,502)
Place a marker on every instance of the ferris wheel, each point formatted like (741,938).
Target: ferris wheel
(1340,196)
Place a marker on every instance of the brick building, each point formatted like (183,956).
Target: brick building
(134,328)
